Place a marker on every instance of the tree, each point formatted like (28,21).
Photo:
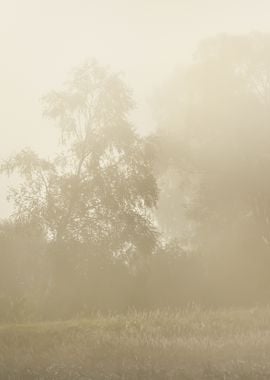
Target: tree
(214,133)
(99,190)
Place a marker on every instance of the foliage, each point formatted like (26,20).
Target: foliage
(100,189)
(214,136)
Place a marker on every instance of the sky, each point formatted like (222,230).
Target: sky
(42,40)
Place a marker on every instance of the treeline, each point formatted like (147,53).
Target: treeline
(116,220)
(40,282)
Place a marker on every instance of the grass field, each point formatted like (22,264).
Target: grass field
(191,344)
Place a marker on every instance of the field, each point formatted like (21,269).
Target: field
(190,344)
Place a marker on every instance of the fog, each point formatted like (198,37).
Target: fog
(42,40)
(156,47)
(134,189)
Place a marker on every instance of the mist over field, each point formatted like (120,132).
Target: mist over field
(134,189)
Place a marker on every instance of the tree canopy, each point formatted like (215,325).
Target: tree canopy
(99,189)
(213,119)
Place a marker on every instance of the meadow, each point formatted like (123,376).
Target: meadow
(187,344)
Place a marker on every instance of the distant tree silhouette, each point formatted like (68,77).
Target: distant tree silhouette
(213,142)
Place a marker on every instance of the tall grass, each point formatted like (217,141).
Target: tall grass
(189,344)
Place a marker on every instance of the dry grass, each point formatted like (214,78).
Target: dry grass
(191,344)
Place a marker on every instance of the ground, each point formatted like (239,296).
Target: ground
(188,344)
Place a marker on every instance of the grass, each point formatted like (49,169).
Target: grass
(190,344)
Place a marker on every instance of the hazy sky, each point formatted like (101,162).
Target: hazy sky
(41,40)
